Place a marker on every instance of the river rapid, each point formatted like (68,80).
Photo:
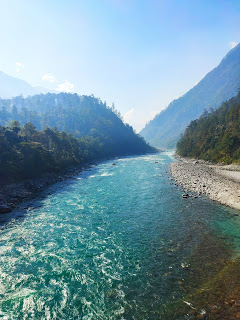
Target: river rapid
(116,242)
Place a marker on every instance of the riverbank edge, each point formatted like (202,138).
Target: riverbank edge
(220,183)
(13,194)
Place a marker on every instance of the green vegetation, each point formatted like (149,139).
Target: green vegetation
(215,136)
(79,115)
(94,132)
(27,153)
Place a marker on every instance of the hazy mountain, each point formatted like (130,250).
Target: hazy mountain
(215,136)
(12,87)
(216,87)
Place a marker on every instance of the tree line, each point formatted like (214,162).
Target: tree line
(27,152)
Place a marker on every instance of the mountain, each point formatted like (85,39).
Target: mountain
(216,87)
(12,87)
(215,136)
(82,116)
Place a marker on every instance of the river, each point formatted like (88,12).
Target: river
(116,242)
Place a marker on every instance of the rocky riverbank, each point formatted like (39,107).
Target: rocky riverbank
(219,183)
(11,195)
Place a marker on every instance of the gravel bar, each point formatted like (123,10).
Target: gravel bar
(218,182)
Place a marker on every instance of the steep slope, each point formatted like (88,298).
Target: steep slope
(82,116)
(214,137)
(12,87)
(216,87)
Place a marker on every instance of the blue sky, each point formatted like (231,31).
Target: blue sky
(139,54)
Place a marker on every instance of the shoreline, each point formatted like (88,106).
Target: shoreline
(13,194)
(220,183)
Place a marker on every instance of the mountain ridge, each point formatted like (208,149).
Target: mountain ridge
(12,87)
(219,85)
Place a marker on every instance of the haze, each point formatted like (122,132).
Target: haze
(138,54)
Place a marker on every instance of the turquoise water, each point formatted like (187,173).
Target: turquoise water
(116,242)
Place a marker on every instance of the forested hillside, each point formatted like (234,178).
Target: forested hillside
(79,115)
(215,136)
(83,129)
(216,87)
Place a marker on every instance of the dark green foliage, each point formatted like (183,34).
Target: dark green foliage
(82,116)
(94,132)
(215,136)
(27,153)
(216,87)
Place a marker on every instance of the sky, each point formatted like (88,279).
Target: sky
(137,54)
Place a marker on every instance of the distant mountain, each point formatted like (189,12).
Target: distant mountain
(12,87)
(215,136)
(216,87)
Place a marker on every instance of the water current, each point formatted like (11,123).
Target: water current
(116,242)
